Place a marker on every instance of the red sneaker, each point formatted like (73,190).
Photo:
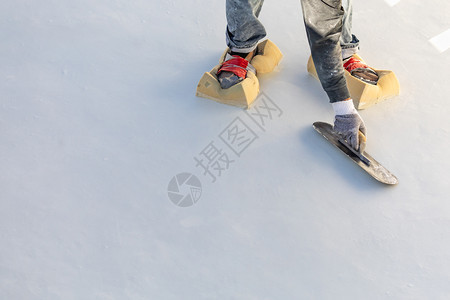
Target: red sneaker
(233,70)
(360,70)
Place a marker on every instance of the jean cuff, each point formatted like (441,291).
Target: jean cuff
(350,48)
(338,94)
(245,48)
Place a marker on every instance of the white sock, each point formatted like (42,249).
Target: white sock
(345,107)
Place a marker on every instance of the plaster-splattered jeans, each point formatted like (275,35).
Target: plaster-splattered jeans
(328,27)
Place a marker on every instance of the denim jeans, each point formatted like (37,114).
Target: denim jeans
(328,27)
(349,42)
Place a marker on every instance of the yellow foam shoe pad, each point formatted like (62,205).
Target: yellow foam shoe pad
(243,94)
(365,94)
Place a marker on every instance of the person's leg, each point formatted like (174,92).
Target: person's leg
(244,30)
(323,23)
(350,46)
(349,42)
